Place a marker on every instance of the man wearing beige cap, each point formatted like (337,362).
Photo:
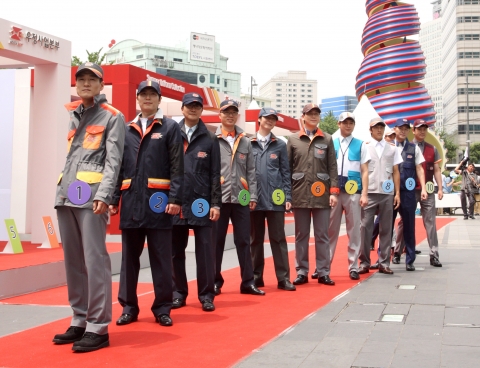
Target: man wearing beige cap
(352,164)
(383,196)
(314,191)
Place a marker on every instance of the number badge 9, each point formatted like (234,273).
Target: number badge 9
(278,197)
(79,192)
(318,189)
(429,187)
(387,186)
(158,202)
(351,187)
(244,197)
(410,183)
(200,207)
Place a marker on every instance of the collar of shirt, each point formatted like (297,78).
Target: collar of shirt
(228,134)
(262,138)
(346,139)
(310,133)
(193,128)
(400,144)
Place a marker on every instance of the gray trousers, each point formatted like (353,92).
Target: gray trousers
(429,215)
(350,204)
(303,217)
(87,266)
(467,211)
(383,205)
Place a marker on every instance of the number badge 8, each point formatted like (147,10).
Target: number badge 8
(158,202)
(410,183)
(387,186)
(79,192)
(200,207)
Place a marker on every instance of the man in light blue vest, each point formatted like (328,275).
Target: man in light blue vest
(352,163)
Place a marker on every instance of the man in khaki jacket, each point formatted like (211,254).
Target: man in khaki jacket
(313,165)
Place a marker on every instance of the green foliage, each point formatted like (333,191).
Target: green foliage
(474,153)
(93,57)
(448,143)
(329,123)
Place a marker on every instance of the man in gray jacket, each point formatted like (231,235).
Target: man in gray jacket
(239,196)
(85,188)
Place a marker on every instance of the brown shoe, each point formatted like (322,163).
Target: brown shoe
(385,270)
(363,269)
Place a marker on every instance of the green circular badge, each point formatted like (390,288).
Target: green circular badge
(430,187)
(278,197)
(244,197)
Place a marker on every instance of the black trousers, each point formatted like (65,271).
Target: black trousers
(407,208)
(471,202)
(160,253)
(203,256)
(240,217)
(278,243)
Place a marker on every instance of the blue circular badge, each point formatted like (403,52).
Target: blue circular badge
(79,192)
(158,202)
(388,186)
(200,207)
(410,183)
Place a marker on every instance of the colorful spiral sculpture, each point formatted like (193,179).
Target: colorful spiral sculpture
(393,64)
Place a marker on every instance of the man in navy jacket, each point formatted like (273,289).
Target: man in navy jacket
(202,198)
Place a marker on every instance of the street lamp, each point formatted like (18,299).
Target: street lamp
(468,118)
(252,84)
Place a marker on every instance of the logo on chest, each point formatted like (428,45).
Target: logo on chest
(320,151)
(202,154)
(273,156)
(157,135)
(241,156)
(409,156)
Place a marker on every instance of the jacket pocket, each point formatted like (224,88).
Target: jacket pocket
(90,177)
(93,137)
(297,180)
(71,135)
(297,176)
(320,150)
(371,166)
(126,184)
(155,183)
(353,175)
(323,177)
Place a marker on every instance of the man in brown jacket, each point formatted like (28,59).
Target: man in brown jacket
(313,165)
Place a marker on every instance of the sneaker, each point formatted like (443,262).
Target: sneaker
(72,334)
(91,342)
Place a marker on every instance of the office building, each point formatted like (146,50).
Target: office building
(337,105)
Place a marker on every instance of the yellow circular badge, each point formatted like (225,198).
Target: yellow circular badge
(318,189)
(278,197)
(351,187)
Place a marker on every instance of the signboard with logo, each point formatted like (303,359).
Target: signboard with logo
(202,47)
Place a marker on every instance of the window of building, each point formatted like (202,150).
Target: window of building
(279,95)
(279,106)
(225,83)
(302,85)
(303,96)
(463,109)
(289,84)
(309,85)
(279,84)
(303,101)
(309,101)
(279,90)
(202,79)
(177,59)
(279,110)
(263,104)
(309,95)
(474,129)
(471,91)
(158,57)
(470,73)
(139,56)
(468,37)
(468,19)
(309,90)
(218,80)
(468,2)
(469,55)
(302,90)
(278,100)
(212,78)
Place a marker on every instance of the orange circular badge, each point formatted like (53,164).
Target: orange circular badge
(318,189)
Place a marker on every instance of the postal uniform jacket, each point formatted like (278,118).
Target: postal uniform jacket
(312,161)
(152,162)
(272,171)
(95,148)
(201,174)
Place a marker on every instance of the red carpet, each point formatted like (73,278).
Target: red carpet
(240,324)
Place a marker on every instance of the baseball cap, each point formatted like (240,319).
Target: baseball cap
(346,115)
(309,107)
(228,103)
(389,131)
(94,68)
(401,122)
(149,84)
(267,111)
(419,122)
(376,121)
(189,98)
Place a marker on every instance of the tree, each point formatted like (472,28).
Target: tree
(93,57)
(448,144)
(329,123)
(474,153)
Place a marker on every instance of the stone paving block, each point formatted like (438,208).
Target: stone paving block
(397,309)
(417,353)
(414,332)
(329,311)
(426,315)
(462,300)
(334,352)
(462,316)
(350,330)
(386,347)
(374,297)
(386,332)
(361,312)
(462,336)
(460,356)
(308,331)
(430,297)
(402,296)
(373,360)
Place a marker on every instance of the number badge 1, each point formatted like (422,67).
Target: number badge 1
(351,187)
(278,197)
(387,186)
(200,207)
(410,183)
(429,187)
(158,202)
(79,192)
(244,197)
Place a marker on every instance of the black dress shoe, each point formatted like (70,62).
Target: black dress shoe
(91,342)
(126,319)
(472,217)
(385,270)
(435,262)
(396,258)
(72,334)
(374,266)
(259,283)
(315,275)
(164,320)
(418,251)
(326,280)
(465,217)
(252,290)
(286,285)
(207,305)
(301,279)
(178,303)
(363,269)
(217,289)
(410,267)
(354,275)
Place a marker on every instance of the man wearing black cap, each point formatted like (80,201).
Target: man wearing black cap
(274,198)
(239,197)
(431,168)
(410,169)
(85,189)
(314,191)
(470,185)
(202,198)
(150,186)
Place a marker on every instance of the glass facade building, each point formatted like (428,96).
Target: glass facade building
(338,104)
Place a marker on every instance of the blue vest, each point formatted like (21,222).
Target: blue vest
(407,167)
(354,154)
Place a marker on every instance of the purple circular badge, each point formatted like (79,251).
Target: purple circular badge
(79,192)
